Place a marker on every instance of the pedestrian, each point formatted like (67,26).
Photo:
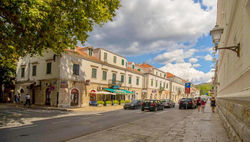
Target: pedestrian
(27,100)
(15,98)
(198,102)
(213,103)
(203,103)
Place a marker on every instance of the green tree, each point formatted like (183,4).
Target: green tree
(204,88)
(32,26)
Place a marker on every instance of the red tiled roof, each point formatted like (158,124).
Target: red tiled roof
(169,74)
(129,68)
(144,65)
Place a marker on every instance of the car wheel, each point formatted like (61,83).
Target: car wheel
(179,107)
(142,109)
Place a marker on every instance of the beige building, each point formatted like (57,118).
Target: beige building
(86,75)
(232,75)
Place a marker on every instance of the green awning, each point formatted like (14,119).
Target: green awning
(119,91)
(128,92)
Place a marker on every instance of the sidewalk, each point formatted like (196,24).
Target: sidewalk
(76,109)
(196,127)
(200,127)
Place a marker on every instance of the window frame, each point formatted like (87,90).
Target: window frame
(34,72)
(130,80)
(104,74)
(49,68)
(92,75)
(76,72)
(137,81)
(115,59)
(22,72)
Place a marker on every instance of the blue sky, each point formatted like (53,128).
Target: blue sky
(172,35)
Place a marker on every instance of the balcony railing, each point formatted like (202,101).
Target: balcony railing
(114,83)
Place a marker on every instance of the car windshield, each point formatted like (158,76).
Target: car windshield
(134,102)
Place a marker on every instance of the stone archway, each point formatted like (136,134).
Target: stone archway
(74,97)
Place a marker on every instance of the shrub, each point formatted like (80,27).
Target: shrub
(108,102)
(100,102)
(122,101)
(127,101)
(116,102)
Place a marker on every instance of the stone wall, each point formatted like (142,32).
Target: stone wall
(236,118)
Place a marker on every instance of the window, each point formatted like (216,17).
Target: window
(48,68)
(90,51)
(164,84)
(22,72)
(160,74)
(76,68)
(156,73)
(133,66)
(34,70)
(114,59)
(94,72)
(156,83)
(123,62)
(105,56)
(167,86)
(160,84)
(122,78)
(152,82)
(114,78)
(130,80)
(104,75)
(137,81)
(139,69)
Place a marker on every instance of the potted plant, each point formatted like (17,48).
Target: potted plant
(100,103)
(122,102)
(108,103)
(127,101)
(116,102)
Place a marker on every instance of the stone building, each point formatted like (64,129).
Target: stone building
(232,74)
(85,75)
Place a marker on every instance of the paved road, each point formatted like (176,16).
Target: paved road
(69,127)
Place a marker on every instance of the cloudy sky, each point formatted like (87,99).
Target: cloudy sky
(172,35)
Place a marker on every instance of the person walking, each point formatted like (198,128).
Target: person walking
(213,103)
(198,102)
(203,103)
(27,100)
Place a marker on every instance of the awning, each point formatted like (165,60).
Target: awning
(119,91)
(103,92)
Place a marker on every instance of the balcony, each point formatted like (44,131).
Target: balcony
(114,83)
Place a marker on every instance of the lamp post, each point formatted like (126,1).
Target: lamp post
(216,33)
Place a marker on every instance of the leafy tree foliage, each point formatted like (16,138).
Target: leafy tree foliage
(204,88)
(31,26)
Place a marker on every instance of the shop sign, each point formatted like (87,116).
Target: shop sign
(64,84)
(166,92)
(87,82)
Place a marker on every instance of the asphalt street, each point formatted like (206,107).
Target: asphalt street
(74,126)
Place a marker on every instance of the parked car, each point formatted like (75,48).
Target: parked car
(132,105)
(168,103)
(152,105)
(187,103)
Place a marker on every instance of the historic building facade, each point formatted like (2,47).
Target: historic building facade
(232,74)
(88,74)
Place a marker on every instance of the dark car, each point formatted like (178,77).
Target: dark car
(152,105)
(133,105)
(187,103)
(168,103)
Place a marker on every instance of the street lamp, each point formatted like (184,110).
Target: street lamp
(216,33)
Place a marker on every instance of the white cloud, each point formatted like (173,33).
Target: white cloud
(155,25)
(193,60)
(196,65)
(188,72)
(208,57)
(176,56)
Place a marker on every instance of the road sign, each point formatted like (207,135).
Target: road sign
(187,85)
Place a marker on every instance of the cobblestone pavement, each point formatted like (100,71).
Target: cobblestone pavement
(196,127)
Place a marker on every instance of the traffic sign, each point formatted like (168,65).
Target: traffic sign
(187,90)
(187,85)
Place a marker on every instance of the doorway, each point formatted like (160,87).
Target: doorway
(74,97)
(47,99)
